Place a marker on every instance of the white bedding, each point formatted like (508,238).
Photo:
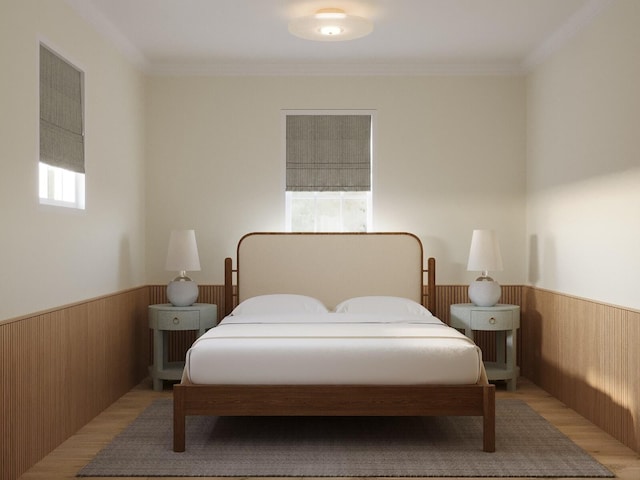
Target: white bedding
(333,348)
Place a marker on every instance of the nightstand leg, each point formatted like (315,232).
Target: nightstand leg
(511,362)
(158,359)
(501,341)
(158,384)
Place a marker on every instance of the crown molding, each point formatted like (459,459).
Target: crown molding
(86,10)
(578,21)
(336,69)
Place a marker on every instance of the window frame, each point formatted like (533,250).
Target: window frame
(53,175)
(367,112)
(57,176)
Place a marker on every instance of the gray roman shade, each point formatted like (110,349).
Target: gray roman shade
(328,153)
(61,122)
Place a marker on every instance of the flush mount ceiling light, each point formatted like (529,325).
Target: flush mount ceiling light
(330,24)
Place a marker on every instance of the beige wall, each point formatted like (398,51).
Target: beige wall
(583,165)
(448,158)
(53,256)
(451,154)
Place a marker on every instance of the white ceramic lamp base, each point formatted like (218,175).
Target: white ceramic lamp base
(484,292)
(182,293)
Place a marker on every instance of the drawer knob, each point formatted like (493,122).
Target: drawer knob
(492,321)
(176,320)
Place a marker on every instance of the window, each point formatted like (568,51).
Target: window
(328,211)
(328,171)
(61,187)
(61,172)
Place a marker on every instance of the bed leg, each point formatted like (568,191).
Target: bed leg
(489,419)
(178,419)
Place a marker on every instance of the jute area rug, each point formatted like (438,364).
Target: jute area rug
(526,446)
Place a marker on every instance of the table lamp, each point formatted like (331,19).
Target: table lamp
(484,255)
(182,256)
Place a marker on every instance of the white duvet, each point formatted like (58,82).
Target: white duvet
(333,348)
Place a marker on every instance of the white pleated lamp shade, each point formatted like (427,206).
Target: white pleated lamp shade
(182,254)
(484,254)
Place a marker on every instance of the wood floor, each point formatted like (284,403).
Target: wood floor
(66,460)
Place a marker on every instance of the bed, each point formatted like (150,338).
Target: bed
(347,275)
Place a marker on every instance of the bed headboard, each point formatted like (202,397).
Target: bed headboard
(331,267)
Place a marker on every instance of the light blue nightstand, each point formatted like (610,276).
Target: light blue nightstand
(164,318)
(504,320)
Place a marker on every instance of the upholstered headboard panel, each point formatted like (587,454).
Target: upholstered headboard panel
(330,266)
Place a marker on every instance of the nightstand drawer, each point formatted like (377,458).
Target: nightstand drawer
(491,320)
(176,320)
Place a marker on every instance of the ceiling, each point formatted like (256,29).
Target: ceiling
(409,36)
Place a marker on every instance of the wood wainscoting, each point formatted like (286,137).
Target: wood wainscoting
(586,354)
(61,368)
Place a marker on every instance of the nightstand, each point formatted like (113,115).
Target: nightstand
(502,319)
(165,318)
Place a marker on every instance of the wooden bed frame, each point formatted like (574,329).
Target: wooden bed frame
(367,255)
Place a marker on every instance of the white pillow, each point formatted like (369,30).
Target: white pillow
(279,303)
(382,304)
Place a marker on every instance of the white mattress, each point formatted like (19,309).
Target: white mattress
(333,348)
